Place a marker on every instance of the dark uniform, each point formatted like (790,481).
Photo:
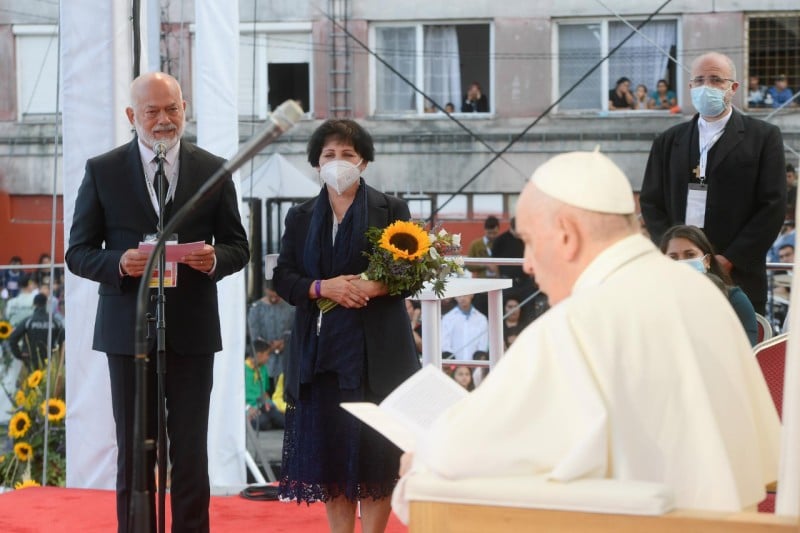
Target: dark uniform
(33,332)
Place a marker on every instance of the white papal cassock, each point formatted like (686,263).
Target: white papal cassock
(643,373)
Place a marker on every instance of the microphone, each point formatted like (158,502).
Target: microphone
(283,118)
(160,148)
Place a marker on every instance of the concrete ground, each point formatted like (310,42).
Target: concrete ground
(266,446)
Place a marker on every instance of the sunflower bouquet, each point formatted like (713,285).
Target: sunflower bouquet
(405,257)
(22,465)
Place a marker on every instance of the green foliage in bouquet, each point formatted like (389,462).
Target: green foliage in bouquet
(405,257)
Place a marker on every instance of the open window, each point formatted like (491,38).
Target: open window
(642,60)
(441,59)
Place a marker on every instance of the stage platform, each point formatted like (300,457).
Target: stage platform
(60,510)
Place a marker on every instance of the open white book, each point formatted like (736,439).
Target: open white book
(404,415)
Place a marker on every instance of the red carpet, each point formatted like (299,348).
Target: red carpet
(58,510)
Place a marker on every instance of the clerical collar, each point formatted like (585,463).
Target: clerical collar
(708,129)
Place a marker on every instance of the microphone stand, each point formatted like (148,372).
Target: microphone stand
(161,353)
(140,505)
(283,118)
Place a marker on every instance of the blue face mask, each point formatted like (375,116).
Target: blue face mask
(709,101)
(696,263)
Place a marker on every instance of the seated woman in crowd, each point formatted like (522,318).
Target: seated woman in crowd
(690,245)
(512,325)
(463,376)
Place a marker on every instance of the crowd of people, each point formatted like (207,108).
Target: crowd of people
(622,98)
(776,95)
(27,299)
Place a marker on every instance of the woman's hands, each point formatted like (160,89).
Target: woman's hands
(350,291)
(372,289)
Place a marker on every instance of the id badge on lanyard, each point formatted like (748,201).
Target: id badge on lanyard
(696,204)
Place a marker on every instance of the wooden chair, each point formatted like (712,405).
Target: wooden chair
(527,503)
(771,357)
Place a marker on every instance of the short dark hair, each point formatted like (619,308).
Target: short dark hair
(260,346)
(786,245)
(346,131)
(491,222)
(623,79)
(40,300)
(790,168)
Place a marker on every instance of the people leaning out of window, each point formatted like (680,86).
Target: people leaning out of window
(620,97)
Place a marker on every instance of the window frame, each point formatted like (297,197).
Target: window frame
(261,32)
(746,67)
(33,30)
(605,82)
(419,69)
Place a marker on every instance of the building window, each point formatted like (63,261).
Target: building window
(773,50)
(37,67)
(274,66)
(442,60)
(580,46)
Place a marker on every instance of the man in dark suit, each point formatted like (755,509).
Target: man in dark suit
(723,172)
(116,207)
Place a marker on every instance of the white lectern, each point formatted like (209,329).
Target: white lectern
(432,315)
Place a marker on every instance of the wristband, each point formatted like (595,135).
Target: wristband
(318,288)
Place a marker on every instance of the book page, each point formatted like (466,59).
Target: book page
(411,408)
(391,428)
(420,399)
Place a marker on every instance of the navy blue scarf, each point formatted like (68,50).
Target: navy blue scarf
(340,345)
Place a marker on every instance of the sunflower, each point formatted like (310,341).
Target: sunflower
(23,451)
(405,240)
(19,398)
(56,409)
(19,425)
(35,378)
(26,484)
(5,329)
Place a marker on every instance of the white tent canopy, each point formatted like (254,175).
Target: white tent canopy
(278,178)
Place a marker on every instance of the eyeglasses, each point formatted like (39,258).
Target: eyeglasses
(714,81)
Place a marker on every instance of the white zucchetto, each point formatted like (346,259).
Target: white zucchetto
(586,180)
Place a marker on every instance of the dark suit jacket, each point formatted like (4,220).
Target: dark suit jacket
(746,193)
(113,212)
(391,353)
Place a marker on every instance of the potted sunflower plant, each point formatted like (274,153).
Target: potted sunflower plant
(36,411)
(405,257)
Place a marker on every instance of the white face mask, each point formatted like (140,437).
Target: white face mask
(339,174)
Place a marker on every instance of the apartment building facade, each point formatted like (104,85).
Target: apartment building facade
(394,66)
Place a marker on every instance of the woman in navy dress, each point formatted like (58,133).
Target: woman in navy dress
(358,351)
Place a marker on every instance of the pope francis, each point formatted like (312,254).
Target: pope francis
(639,371)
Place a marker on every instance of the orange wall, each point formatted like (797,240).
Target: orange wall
(25,227)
